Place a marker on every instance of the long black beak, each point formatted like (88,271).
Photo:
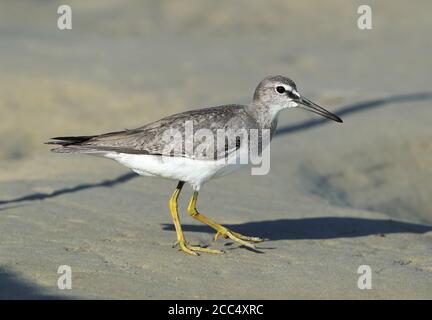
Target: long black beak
(313,107)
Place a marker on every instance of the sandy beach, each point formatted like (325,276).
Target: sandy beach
(337,196)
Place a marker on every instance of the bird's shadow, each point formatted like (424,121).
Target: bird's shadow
(315,228)
(42,196)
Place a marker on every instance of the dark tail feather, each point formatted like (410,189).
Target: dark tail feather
(72,145)
(67,141)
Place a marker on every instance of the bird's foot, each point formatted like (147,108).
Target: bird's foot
(193,250)
(235,236)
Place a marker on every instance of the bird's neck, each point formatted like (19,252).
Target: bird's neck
(266,116)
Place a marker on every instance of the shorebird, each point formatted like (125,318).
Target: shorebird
(147,150)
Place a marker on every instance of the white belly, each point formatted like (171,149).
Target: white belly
(195,172)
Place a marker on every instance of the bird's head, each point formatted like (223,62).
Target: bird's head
(281,92)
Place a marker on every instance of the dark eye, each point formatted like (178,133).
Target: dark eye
(280,89)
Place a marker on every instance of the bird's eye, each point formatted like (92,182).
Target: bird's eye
(280,89)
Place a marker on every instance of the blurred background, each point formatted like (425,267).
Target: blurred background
(127,63)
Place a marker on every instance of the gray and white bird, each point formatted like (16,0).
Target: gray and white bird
(166,149)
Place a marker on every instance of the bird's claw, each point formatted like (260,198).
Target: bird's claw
(244,240)
(193,250)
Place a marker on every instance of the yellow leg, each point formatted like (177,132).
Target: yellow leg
(220,230)
(172,204)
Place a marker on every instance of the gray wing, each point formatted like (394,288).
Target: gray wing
(194,134)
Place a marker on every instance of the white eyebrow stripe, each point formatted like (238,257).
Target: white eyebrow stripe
(287,87)
(290,89)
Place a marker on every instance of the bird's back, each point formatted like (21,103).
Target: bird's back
(153,138)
